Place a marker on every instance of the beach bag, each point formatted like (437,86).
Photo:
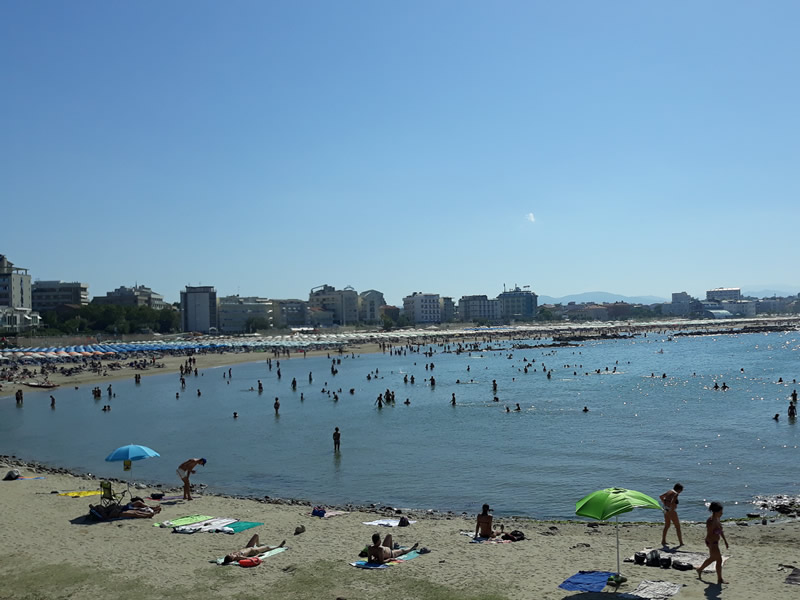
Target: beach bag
(318,512)
(666,562)
(403,522)
(681,565)
(250,562)
(11,475)
(653,559)
(639,558)
(157,495)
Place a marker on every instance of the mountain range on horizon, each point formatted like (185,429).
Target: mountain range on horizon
(609,297)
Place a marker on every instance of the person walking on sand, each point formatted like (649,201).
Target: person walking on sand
(336,437)
(713,534)
(184,470)
(670,501)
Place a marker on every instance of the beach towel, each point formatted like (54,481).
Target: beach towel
(696,559)
(81,494)
(165,498)
(655,590)
(793,578)
(362,564)
(39,477)
(267,554)
(205,526)
(586,581)
(483,540)
(183,521)
(385,522)
(242,525)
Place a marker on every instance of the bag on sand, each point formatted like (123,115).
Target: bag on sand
(250,562)
(639,558)
(403,522)
(653,558)
(666,562)
(681,565)
(11,475)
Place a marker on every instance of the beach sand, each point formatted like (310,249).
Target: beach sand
(50,550)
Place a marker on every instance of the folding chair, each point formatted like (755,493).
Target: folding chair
(108,496)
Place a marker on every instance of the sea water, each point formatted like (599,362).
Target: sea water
(642,431)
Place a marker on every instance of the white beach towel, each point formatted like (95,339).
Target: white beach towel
(210,525)
(385,522)
(652,590)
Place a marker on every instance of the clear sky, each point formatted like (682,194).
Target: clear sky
(450,147)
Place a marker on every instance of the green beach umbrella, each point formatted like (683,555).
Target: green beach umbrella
(612,502)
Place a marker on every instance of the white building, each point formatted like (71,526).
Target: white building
(16,312)
(720,294)
(369,304)
(199,309)
(422,308)
(479,307)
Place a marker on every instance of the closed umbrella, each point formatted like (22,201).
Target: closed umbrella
(612,502)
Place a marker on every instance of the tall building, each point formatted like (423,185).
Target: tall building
(49,295)
(199,309)
(342,304)
(422,308)
(724,294)
(138,295)
(236,314)
(369,304)
(15,285)
(16,312)
(478,307)
(518,304)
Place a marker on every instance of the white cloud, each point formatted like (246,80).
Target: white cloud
(530,217)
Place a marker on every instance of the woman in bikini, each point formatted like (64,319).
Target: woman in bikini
(713,534)
(670,501)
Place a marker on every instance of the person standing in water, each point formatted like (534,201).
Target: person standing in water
(337,436)
(670,501)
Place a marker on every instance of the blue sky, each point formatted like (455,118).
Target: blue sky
(450,147)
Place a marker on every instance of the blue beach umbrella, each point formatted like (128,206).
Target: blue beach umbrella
(131,452)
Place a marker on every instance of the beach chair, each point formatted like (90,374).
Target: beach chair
(108,496)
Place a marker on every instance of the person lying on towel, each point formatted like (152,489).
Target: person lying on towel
(251,549)
(382,552)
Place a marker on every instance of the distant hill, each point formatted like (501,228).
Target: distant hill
(768,293)
(600,298)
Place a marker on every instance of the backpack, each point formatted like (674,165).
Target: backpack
(403,522)
(653,558)
(666,562)
(639,558)
(681,565)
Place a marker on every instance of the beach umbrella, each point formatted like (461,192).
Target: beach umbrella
(130,453)
(612,502)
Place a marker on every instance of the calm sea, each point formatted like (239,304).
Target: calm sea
(640,432)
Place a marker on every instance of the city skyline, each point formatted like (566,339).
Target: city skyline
(266,149)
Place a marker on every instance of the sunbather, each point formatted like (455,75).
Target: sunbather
(381,552)
(483,526)
(251,549)
(137,503)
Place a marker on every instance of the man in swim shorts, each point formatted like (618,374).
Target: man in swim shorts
(184,470)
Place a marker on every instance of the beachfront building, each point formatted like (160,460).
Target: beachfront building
(724,294)
(288,313)
(369,304)
(478,307)
(518,304)
(50,295)
(138,295)
(199,309)
(422,308)
(682,305)
(16,311)
(448,309)
(243,315)
(390,312)
(343,304)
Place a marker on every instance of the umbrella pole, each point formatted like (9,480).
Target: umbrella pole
(616,527)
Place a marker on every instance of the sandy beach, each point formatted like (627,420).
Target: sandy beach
(51,550)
